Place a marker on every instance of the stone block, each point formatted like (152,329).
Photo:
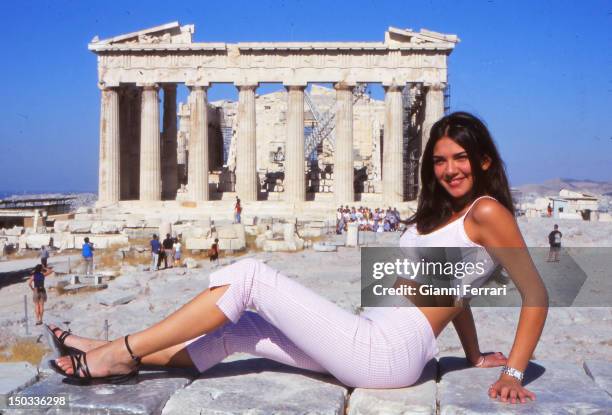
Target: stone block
(251,230)
(134,223)
(200,232)
(145,394)
(419,398)
(248,220)
(80,226)
(258,386)
(164,229)
(61,226)
(63,240)
(560,387)
(103,241)
(198,243)
(311,232)
(14,231)
(115,297)
(233,244)
(190,263)
(278,246)
(36,240)
(15,376)
(102,227)
(152,222)
(601,373)
(323,247)
(352,235)
(226,233)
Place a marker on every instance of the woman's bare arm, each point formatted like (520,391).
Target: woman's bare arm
(466,330)
(497,230)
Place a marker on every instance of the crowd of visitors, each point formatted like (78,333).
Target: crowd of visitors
(168,249)
(377,220)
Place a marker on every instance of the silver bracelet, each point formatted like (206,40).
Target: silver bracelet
(517,374)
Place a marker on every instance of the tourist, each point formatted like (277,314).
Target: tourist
(213,253)
(554,240)
(87,252)
(39,293)
(155,250)
(44,255)
(237,210)
(167,244)
(549,210)
(177,252)
(465,201)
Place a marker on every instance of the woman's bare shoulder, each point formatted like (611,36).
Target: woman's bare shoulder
(493,225)
(490,211)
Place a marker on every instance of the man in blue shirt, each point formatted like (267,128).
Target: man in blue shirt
(155,248)
(87,254)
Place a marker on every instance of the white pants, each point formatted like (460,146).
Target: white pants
(382,348)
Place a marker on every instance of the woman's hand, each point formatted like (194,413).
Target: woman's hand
(491,360)
(509,389)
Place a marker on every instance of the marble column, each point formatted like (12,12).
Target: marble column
(434,110)
(169,158)
(197,175)
(295,178)
(134,134)
(246,148)
(393,167)
(109,173)
(150,166)
(344,187)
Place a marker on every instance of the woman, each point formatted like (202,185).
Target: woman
(39,293)
(381,348)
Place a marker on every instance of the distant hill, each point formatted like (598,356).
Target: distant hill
(552,187)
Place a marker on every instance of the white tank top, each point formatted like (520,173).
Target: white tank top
(453,235)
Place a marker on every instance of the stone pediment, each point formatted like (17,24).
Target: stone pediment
(395,36)
(169,33)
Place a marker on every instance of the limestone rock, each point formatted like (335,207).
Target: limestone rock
(14,231)
(323,247)
(15,376)
(61,226)
(115,297)
(233,244)
(102,227)
(80,226)
(258,386)
(190,263)
(198,243)
(419,398)
(36,240)
(557,385)
(226,233)
(134,223)
(146,394)
(601,373)
(352,235)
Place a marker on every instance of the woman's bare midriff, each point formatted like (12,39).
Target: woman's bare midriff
(439,310)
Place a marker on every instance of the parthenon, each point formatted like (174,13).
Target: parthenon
(139,161)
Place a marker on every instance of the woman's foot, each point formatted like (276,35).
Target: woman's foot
(82,343)
(112,358)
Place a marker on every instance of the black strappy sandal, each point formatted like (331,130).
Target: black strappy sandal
(57,343)
(82,374)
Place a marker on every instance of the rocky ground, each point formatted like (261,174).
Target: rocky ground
(572,336)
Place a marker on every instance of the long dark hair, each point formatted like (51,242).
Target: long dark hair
(435,204)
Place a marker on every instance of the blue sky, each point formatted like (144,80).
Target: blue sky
(538,72)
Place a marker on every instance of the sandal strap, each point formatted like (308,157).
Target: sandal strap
(63,336)
(129,349)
